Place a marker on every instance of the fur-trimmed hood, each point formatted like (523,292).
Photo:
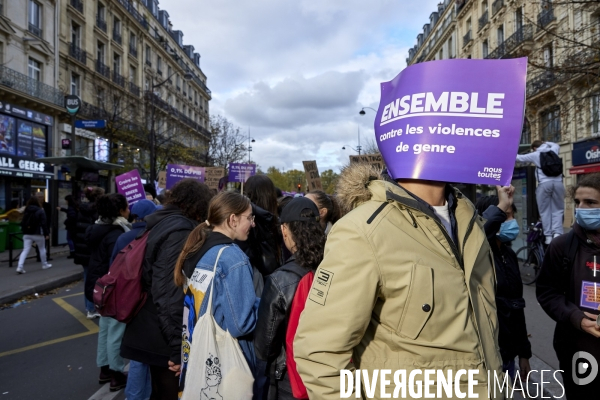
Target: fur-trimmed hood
(353,185)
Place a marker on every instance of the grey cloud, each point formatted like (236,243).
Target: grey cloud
(298,101)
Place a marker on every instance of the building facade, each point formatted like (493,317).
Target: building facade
(131,68)
(30,104)
(561,41)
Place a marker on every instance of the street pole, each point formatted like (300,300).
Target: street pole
(249,150)
(152,138)
(359,149)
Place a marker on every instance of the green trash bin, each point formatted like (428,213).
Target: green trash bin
(3,235)
(15,227)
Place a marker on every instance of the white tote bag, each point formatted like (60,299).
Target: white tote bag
(217,368)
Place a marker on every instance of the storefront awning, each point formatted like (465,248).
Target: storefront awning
(80,161)
(585,169)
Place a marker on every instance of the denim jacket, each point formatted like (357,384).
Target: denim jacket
(235,305)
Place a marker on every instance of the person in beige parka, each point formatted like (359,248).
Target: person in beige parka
(407,283)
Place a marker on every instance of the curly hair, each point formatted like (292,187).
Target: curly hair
(590,181)
(110,205)
(309,238)
(93,193)
(192,197)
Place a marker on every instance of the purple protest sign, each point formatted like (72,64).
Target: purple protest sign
(130,185)
(175,173)
(453,120)
(241,172)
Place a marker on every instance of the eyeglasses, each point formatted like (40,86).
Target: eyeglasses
(249,217)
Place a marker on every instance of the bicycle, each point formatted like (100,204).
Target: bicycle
(530,257)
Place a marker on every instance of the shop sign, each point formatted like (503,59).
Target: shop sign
(66,144)
(12,166)
(26,113)
(587,152)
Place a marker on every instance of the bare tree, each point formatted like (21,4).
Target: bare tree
(226,142)
(130,123)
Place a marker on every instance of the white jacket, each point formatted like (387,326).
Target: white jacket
(534,157)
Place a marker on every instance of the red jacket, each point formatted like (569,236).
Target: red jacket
(302,292)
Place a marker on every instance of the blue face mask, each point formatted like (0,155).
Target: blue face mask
(509,231)
(588,218)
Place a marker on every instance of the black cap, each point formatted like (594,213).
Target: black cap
(293,210)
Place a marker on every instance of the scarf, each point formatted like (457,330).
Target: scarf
(119,221)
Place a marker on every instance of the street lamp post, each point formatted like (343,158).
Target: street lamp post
(187,76)
(359,147)
(250,140)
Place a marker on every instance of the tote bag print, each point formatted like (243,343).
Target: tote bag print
(217,368)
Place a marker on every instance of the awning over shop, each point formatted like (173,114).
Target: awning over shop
(585,169)
(80,161)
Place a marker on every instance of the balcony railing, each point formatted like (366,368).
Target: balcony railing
(78,54)
(467,38)
(542,82)
(22,83)
(149,63)
(102,69)
(101,23)
(159,71)
(523,34)
(117,37)
(496,6)
(78,5)
(134,89)
(36,30)
(545,17)
(483,20)
(118,79)
(160,103)
(136,15)
(133,50)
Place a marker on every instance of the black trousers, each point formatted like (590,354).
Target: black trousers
(165,385)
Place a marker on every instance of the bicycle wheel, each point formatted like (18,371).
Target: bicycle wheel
(529,264)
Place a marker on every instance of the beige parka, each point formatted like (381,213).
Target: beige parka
(394,292)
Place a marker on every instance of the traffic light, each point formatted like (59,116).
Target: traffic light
(299,187)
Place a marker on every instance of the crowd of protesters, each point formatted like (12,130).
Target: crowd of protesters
(394,274)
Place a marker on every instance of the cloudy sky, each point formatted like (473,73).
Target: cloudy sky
(296,73)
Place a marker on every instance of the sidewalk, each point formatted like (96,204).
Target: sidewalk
(13,286)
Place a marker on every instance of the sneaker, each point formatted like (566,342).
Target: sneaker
(92,315)
(118,381)
(20,270)
(46,266)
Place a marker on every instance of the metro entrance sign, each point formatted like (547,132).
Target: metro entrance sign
(72,104)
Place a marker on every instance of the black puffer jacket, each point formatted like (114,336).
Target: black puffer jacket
(34,221)
(271,327)
(510,304)
(86,217)
(101,239)
(154,335)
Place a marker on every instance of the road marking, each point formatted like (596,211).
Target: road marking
(91,327)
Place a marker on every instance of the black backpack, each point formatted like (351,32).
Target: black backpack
(29,224)
(551,163)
